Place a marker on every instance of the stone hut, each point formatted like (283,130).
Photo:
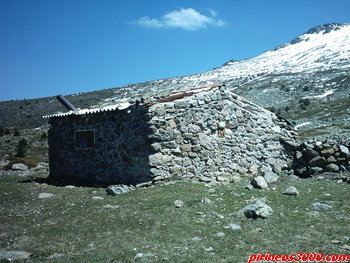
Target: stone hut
(205,133)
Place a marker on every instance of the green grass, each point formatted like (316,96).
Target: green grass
(146,221)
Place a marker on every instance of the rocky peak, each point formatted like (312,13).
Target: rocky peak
(327,28)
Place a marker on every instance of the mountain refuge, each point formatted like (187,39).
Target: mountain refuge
(206,133)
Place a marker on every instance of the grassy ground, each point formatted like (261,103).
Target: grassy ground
(72,226)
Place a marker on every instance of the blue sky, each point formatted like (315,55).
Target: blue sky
(50,47)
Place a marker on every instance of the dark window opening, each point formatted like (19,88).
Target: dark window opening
(84,139)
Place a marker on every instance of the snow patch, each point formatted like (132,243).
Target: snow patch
(327,93)
(302,125)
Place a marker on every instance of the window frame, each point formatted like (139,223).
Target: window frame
(89,146)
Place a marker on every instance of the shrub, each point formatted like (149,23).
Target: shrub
(22,148)
(43,136)
(2,131)
(16,133)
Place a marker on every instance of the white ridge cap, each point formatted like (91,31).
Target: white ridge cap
(121,106)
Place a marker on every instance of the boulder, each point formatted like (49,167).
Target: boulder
(256,209)
(343,149)
(319,161)
(332,168)
(291,190)
(117,189)
(259,182)
(269,175)
(19,167)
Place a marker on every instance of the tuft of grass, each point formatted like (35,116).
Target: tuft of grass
(73,227)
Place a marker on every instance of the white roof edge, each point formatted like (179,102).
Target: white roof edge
(121,106)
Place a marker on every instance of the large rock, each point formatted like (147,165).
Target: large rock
(259,182)
(269,175)
(117,189)
(343,149)
(256,209)
(332,168)
(145,258)
(291,190)
(19,167)
(9,256)
(319,161)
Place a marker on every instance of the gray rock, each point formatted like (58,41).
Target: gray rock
(327,152)
(256,209)
(179,203)
(316,170)
(291,190)
(234,226)
(319,161)
(343,149)
(145,258)
(9,256)
(332,168)
(322,205)
(309,153)
(248,187)
(206,200)
(269,175)
(259,182)
(219,234)
(19,167)
(45,195)
(117,189)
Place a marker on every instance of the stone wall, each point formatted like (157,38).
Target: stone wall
(120,153)
(311,158)
(214,135)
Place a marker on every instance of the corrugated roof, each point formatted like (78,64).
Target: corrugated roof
(121,106)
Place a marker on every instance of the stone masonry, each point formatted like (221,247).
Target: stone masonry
(210,135)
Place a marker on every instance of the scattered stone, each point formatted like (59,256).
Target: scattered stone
(219,234)
(322,205)
(318,161)
(197,239)
(270,177)
(8,256)
(208,249)
(248,187)
(117,189)
(145,184)
(70,186)
(346,247)
(205,179)
(56,255)
(111,206)
(19,167)
(235,178)
(343,149)
(256,209)
(96,198)
(259,182)
(291,190)
(332,168)
(206,200)
(45,195)
(234,226)
(179,203)
(145,258)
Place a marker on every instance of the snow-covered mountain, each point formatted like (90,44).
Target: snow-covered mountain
(306,80)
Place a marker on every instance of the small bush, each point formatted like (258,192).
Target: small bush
(16,133)
(22,148)
(43,136)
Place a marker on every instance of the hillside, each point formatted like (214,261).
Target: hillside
(305,80)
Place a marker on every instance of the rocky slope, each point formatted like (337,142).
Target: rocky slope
(305,80)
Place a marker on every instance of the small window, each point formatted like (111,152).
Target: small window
(84,139)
